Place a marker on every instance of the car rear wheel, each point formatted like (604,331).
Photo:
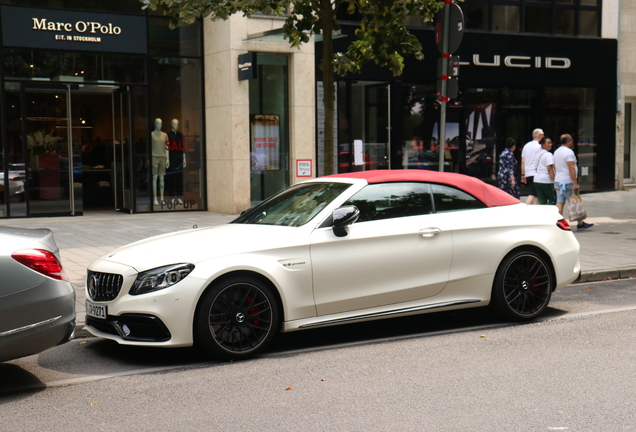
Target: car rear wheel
(523,286)
(237,318)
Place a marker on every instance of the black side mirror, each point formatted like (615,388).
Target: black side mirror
(342,218)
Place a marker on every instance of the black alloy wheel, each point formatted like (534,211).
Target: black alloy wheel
(237,319)
(523,286)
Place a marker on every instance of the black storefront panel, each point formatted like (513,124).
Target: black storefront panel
(73,31)
(570,84)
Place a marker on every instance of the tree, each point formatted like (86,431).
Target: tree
(382,36)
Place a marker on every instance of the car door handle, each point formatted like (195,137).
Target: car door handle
(429,232)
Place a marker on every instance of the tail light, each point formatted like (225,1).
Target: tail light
(14,178)
(42,261)
(564,225)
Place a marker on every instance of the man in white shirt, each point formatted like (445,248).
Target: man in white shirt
(528,168)
(566,175)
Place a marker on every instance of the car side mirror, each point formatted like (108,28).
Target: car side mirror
(342,218)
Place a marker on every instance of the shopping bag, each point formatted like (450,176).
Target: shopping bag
(576,209)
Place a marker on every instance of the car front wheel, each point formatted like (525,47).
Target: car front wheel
(523,286)
(236,319)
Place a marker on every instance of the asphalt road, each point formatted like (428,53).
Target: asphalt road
(573,370)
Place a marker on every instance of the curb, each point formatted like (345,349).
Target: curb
(603,275)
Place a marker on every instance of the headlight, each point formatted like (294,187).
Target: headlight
(160,278)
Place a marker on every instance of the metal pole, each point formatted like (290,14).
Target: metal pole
(69,147)
(445,55)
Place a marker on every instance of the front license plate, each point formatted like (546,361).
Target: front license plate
(96,310)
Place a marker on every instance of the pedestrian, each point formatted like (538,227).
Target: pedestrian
(507,169)
(528,170)
(566,175)
(544,178)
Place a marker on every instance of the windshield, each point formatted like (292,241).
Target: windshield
(294,206)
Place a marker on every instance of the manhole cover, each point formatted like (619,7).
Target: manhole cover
(611,232)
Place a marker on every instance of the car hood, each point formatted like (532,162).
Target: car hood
(197,245)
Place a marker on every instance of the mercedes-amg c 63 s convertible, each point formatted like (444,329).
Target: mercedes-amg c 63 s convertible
(334,250)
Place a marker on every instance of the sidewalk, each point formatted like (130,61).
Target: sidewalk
(607,249)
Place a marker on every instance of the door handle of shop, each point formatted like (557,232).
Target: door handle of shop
(429,232)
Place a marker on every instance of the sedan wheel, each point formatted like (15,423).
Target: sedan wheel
(523,286)
(237,319)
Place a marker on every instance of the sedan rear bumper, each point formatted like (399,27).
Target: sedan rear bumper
(51,321)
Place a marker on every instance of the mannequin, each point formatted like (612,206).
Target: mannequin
(177,161)
(160,160)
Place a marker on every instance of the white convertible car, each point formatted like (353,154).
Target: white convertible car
(333,250)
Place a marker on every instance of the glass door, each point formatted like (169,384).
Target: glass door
(122,167)
(48,132)
(365,127)
(628,143)
(376,149)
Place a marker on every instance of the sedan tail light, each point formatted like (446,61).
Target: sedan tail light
(42,261)
(564,225)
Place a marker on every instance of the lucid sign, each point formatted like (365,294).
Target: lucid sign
(71,30)
(515,61)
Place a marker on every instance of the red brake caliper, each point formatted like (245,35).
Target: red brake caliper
(254,311)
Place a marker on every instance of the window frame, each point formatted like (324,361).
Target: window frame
(552,5)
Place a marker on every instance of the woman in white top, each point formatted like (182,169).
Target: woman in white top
(544,177)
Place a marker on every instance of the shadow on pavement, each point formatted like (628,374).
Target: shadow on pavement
(14,377)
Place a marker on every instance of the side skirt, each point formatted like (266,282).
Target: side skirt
(385,314)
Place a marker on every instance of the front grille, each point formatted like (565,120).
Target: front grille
(103,286)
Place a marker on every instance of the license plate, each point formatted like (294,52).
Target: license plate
(96,310)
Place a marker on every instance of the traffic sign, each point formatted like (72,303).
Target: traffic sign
(455,30)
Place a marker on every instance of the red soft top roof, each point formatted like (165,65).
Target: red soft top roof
(489,195)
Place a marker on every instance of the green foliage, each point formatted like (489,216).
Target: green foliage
(382,36)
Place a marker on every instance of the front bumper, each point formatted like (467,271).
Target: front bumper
(160,318)
(132,327)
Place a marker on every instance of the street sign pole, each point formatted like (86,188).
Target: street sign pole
(442,117)
(449,32)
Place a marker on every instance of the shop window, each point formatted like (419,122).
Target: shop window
(175,100)
(269,127)
(183,41)
(627,143)
(15,147)
(476,16)
(588,23)
(26,64)
(564,22)
(572,111)
(3,181)
(505,18)
(557,17)
(538,20)
(421,147)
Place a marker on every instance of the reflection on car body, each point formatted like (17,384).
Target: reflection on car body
(337,249)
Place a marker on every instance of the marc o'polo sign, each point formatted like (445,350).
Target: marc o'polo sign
(71,30)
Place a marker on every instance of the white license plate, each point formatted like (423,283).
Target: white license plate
(96,310)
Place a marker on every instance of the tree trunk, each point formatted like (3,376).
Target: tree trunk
(328,84)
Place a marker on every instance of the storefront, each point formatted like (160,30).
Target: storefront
(509,84)
(101,109)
